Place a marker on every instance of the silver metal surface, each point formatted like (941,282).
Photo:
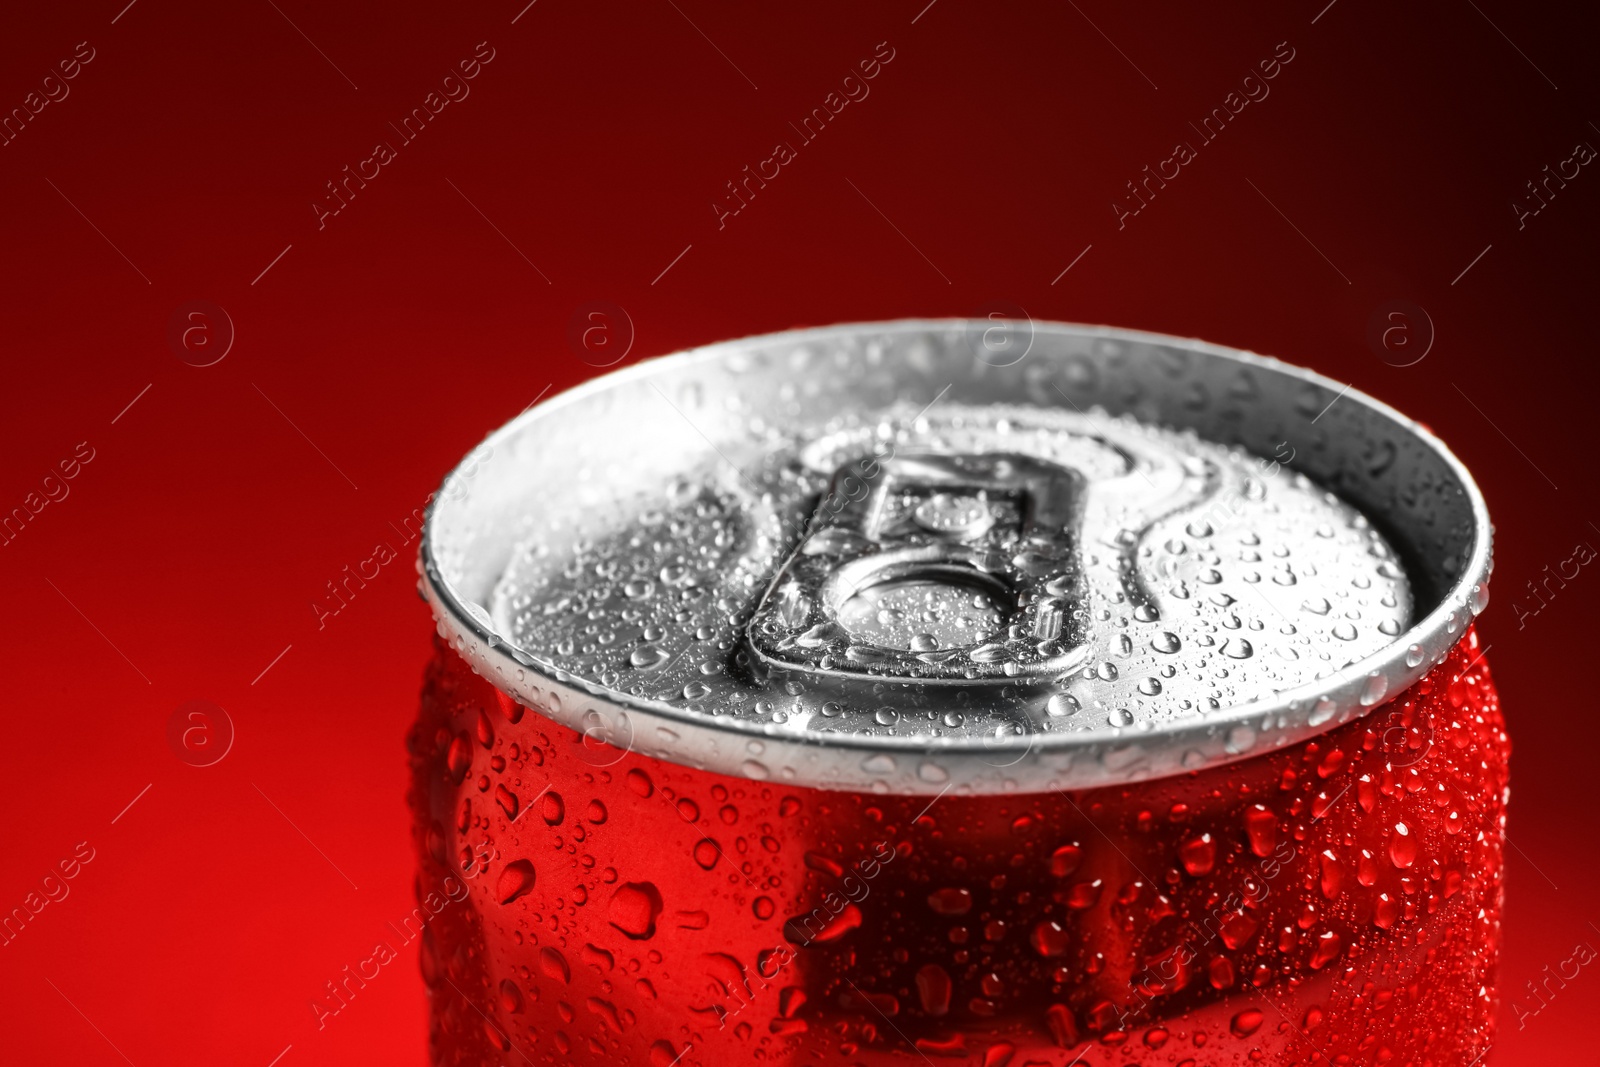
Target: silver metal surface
(867,557)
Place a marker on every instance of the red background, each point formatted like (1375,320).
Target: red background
(985,159)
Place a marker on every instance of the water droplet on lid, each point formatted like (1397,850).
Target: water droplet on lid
(1240,739)
(1414,656)
(646,657)
(1238,648)
(1376,687)
(1062,704)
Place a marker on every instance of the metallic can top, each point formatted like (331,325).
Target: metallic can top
(903,557)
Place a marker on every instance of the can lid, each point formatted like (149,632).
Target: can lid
(903,557)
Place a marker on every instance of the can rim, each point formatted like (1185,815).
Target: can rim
(1233,733)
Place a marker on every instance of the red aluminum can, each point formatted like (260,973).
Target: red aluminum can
(899,693)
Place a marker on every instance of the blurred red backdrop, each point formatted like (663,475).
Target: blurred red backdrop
(583,161)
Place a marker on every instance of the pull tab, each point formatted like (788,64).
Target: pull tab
(935,569)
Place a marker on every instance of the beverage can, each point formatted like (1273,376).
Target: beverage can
(848,696)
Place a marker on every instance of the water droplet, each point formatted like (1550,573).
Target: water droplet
(507,800)
(1198,854)
(459,758)
(933,989)
(1261,825)
(1065,860)
(1062,704)
(634,909)
(647,657)
(552,964)
(800,930)
(511,1001)
(516,880)
(950,901)
(1246,1022)
(1332,874)
(1403,846)
(1049,939)
(1328,947)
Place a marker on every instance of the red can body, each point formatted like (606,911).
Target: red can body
(1333,902)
